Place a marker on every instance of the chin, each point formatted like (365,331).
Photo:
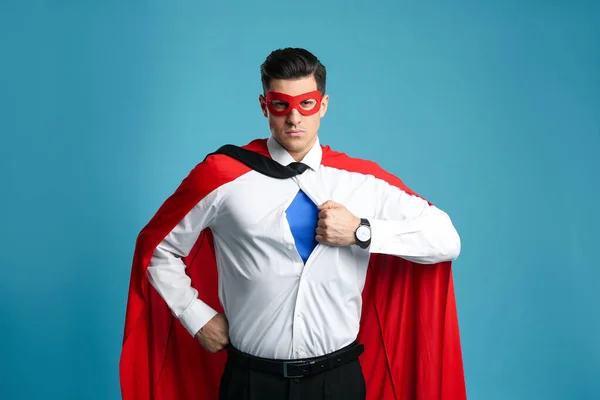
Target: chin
(295,143)
(292,141)
(292,144)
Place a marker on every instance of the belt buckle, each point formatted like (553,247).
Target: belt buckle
(285,369)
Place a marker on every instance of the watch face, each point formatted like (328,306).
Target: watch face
(363,233)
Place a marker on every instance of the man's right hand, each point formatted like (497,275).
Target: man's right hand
(214,336)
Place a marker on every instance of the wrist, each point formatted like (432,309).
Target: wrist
(196,316)
(356,225)
(362,234)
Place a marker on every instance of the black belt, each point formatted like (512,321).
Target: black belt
(297,368)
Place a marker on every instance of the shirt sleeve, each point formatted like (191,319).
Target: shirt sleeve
(410,227)
(166,271)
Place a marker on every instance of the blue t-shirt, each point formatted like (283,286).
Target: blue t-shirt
(302,215)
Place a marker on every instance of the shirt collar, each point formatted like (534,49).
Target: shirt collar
(281,155)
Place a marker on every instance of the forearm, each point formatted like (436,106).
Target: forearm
(426,239)
(167,275)
(167,271)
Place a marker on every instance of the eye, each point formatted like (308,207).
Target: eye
(279,105)
(308,103)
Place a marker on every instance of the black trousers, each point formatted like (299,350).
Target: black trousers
(345,382)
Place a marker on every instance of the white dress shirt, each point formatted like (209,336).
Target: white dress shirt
(277,306)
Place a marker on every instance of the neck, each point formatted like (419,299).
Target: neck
(298,156)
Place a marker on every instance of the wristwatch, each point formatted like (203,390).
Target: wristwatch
(363,234)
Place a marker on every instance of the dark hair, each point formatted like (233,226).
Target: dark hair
(292,63)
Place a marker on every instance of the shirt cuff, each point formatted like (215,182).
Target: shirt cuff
(196,315)
(385,234)
(378,236)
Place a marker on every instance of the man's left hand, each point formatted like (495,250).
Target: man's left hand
(336,225)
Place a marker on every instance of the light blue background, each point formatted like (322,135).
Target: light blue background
(490,111)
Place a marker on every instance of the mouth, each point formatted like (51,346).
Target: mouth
(295,132)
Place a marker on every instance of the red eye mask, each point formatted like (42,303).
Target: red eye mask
(306,103)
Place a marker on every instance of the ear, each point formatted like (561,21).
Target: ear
(324,104)
(263,105)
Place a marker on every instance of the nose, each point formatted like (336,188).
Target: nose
(293,117)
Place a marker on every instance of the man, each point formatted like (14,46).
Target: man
(292,229)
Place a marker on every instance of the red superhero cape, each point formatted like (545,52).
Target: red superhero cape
(409,324)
